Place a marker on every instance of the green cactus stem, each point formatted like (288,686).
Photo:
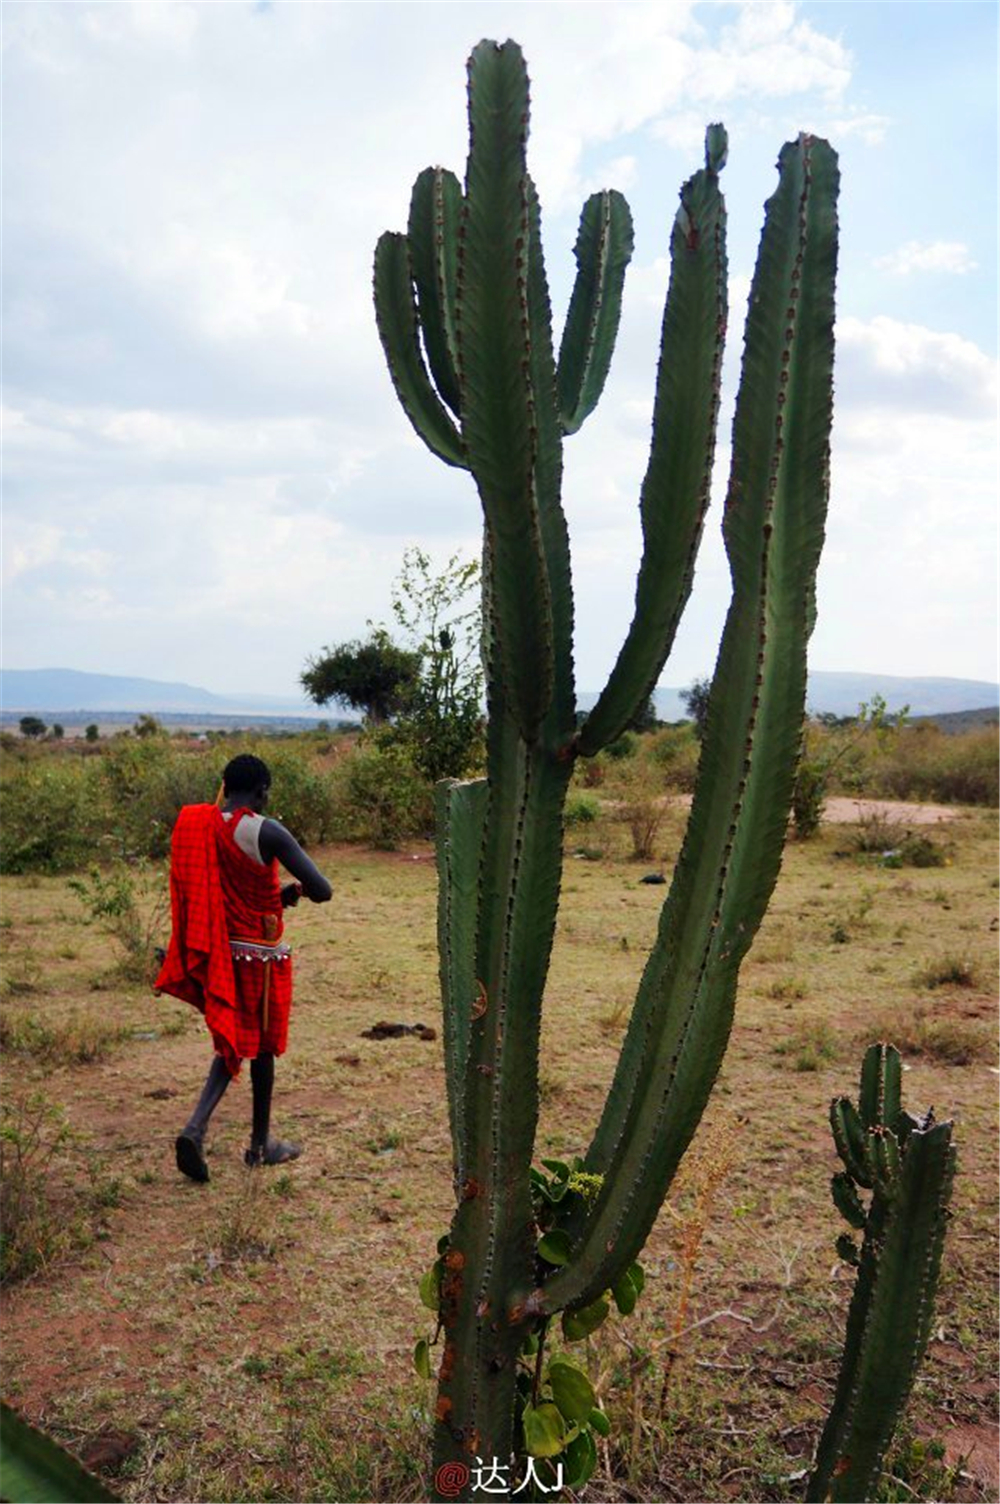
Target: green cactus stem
(912,1166)
(463,312)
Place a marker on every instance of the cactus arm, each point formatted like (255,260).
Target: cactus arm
(461,810)
(396,316)
(561,721)
(889,1321)
(603,251)
(881,1086)
(494,356)
(435,212)
(733,846)
(849,1138)
(675,490)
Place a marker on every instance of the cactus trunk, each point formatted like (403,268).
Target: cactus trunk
(466,288)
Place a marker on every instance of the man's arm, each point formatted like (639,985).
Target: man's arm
(276,841)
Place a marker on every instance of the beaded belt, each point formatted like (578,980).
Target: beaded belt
(254,950)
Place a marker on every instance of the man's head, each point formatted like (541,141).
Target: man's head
(247,779)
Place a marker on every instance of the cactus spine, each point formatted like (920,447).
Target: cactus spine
(908,1165)
(463,312)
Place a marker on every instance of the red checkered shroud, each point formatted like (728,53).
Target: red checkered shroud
(219,894)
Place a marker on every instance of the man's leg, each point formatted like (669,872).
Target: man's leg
(265,1150)
(190,1158)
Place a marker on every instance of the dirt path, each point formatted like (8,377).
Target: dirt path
(846,811)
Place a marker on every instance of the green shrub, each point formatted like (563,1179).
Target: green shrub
(384,799)
(674,751)
(809,798)
(948,971)
(52,817)
(582,809)
(132,909)
(625,746)
(33,1133)
(953,1041)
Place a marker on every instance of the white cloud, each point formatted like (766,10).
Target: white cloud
(883,362)
(870,128)
(951,256)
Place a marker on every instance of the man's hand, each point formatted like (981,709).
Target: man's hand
(290,895)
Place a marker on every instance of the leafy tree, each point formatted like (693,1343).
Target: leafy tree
(441,615)
(92,732)
(147,725)
(873,721)
(695,700)
(374,676)
(31,725)
(645,718)
(58,732)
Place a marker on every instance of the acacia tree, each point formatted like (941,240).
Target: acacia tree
(374,676)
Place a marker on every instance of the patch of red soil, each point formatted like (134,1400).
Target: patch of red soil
(976,1448)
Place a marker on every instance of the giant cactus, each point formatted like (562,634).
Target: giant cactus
(463,313)
(908,1165)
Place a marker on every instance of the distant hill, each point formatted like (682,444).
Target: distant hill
(842,693)
(63,690)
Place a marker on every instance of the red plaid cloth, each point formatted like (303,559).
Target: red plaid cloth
(218,894)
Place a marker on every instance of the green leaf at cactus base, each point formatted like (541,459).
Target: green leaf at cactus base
(598,1421)
(581,1460)
(555,1247)
(572,1391)
(625,1294)
(544,1431)
(579,1324)
(430,1288)
(422,1358)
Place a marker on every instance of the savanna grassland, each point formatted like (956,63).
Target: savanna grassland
(253,1338)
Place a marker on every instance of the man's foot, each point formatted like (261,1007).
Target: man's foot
(190,1159)
(275,1152)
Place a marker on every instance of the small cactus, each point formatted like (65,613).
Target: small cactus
(908,1165)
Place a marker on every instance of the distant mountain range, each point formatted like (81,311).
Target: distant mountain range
(66,691)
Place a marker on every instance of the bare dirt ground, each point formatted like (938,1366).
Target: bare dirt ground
(252,1338)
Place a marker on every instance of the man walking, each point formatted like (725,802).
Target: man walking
(226,954)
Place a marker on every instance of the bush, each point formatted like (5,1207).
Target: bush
(132,911)
(809,798)
(675,751)
(384,799)
(32,1135)
(582,809)
(52,817)
(623,747)
(927,764)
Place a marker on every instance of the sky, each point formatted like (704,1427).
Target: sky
(206,474)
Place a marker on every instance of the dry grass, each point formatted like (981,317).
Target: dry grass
(255,1335)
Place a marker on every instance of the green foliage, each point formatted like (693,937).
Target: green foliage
(148,725)
(695,701)
(809,798)
(374,676)
(130,905)
(441,720)
(385,799)
(582,809)
(38,1226)
(907,1164)
(32,726)
(92,732)
(53,817)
